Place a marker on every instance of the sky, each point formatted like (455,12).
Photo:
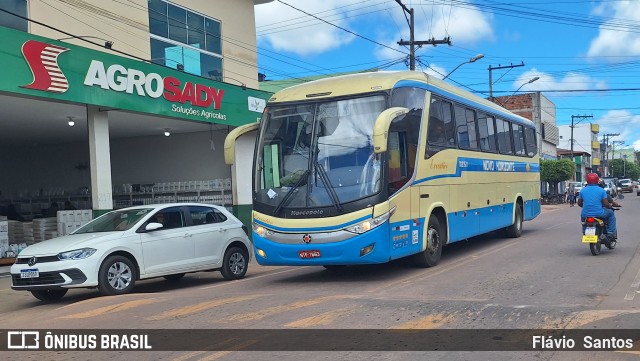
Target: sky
(586,53)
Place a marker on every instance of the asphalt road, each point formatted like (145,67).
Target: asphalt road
(546,279)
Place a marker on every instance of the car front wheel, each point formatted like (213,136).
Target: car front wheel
(116,276)
(235,263)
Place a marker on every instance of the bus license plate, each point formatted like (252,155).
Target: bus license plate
(589,239)
(29,273)
(309,254)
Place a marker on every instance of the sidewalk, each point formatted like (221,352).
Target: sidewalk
(4,270)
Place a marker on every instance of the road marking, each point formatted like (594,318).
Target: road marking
(633,289)
(322,319)
(251,278)
(112,308)
(258,315)
(440,270)
(425,323)
(183,311)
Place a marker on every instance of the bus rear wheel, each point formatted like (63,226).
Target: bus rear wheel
(435,238)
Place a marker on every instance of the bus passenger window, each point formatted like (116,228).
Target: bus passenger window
(441,130)
(466,128)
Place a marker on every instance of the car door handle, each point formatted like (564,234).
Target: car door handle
(188,235)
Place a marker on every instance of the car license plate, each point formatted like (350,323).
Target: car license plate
(590,231)
(589,239)
(29,273)
(309,254)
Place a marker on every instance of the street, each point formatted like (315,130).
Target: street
(546,279)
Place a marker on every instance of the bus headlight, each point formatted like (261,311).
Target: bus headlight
(260,230)
(369,224)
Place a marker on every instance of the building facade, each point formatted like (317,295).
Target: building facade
(542,112)
(97,94)
(585,140)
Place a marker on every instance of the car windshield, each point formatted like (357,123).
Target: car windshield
(625,181)
(120,220)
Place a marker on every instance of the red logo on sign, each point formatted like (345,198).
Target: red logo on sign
(43,62)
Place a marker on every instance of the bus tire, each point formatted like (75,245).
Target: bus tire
(515,230)
(435,237)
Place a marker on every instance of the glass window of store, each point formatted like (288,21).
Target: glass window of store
(18,7)
(180,37)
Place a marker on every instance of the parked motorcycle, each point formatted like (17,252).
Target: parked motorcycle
(595,234)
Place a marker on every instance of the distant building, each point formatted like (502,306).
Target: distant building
(540,110)
(585,139)
(583,162)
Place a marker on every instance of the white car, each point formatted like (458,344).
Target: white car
(122,246)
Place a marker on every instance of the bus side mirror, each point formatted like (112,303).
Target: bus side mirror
(381,127)
(230,141)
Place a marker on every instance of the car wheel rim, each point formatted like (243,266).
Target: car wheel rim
(236,263)
(119,276)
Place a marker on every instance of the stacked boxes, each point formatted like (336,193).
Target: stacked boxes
(4,237)
(16,232)
(69,221)
(43,228)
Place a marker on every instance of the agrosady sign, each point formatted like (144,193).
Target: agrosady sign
(48,68)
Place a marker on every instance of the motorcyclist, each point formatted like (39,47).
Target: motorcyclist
(609,197)
(595,203)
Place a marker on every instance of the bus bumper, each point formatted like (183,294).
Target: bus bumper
(347,252)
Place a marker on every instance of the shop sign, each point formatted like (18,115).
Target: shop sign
(49,68)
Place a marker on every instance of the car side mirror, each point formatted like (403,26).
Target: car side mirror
(153,226)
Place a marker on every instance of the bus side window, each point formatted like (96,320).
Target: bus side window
(504,136)
(466,128)
(518,139)
(440,130)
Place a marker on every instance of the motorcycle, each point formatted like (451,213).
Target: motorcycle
(595,234)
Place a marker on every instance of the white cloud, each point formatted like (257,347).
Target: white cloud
(617,43)
(288,30)
(571,81)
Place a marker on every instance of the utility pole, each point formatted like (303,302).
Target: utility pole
(412,42)
(491,78)
(606,149)
(581,117)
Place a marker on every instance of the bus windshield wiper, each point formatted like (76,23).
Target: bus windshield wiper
(287,196)
(328,186)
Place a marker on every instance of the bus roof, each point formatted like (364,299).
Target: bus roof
(360,83)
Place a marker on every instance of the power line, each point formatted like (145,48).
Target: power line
(341,28)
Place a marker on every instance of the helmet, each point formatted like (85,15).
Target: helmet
(592,178)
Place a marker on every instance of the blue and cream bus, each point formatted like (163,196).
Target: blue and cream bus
(372,167)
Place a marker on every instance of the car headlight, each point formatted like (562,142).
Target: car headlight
(370,224)
(76,254)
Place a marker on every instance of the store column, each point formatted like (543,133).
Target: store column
(100,156)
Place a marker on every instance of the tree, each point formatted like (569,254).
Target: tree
(556,171)
(621,170)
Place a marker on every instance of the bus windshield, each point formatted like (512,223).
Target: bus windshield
(319,154)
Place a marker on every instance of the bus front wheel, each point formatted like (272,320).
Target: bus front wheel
(435,237)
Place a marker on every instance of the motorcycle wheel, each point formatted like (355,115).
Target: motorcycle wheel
(595,247)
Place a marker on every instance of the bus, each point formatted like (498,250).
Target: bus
(373,167)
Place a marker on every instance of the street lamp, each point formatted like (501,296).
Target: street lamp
(472,60)
(514,93)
